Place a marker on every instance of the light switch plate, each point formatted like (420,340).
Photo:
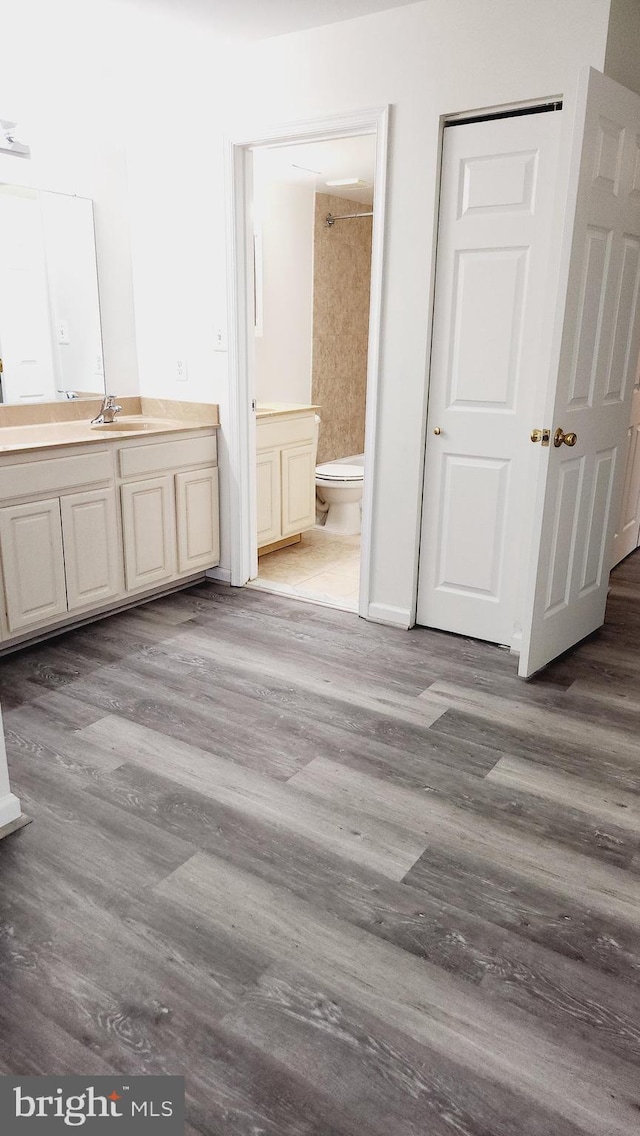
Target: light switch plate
(220,339)
(63,331)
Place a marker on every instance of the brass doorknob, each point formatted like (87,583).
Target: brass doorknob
(541,436)
(559,437)
(437,430)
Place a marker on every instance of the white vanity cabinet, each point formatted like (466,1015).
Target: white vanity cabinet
(84,529)
(269,493)
(91,543)
(33,561)
(170,522)
(59,555)
(60,548)
(149,532)
(286,474)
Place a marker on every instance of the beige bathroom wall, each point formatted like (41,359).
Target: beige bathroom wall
(341,284)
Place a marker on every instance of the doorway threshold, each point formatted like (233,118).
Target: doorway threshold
(281,589)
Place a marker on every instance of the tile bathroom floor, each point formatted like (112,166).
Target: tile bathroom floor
(323,567)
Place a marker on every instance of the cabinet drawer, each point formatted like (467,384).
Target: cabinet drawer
(285,432)
(54,475)
(160,456)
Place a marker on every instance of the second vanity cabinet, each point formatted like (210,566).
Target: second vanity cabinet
(286,473)
(103,523)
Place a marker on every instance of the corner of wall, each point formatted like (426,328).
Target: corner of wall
(622,55)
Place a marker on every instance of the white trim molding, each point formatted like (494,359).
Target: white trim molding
(241,433)
(10,810)
(220,575)
(386,613)
(9,804)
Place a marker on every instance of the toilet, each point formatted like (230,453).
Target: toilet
(339,494)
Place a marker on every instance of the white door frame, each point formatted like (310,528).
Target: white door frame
(241,431)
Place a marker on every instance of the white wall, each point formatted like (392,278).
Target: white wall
(425,60)
(175,91)
(61,79)
(622,61)
(284,216)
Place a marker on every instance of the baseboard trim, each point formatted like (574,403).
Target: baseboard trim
(15,825)
(221,575)
(9,810)
(386,613)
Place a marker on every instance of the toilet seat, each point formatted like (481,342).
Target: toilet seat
(339,471)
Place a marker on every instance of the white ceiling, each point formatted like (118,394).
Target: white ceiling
(260,19)
(316,162)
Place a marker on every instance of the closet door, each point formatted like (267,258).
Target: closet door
(497,201)
(591,377)
(627,535)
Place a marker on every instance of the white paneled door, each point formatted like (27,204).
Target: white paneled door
(593,367)
(496,212)
(627,536)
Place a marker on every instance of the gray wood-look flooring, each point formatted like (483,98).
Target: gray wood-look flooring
(349,881)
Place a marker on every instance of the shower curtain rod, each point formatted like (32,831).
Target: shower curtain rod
(331,220)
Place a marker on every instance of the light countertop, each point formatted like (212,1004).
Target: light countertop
(47,435)
(283,409)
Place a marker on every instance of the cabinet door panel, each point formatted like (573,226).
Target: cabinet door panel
(31,542)
(268,488)
(91,547)
(148,524)
(298,489)
(197,519)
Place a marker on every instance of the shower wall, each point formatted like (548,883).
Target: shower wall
(341,285)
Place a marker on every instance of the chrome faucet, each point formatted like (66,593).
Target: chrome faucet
(108,411)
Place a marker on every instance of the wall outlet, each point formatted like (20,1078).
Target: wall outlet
(181,370)
(99,365)
(220,339)
(63,331)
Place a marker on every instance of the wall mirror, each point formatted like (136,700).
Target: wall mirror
(50,333)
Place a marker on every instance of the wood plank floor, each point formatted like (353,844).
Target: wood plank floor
(348,880)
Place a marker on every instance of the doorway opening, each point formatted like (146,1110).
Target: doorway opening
(306,270)
(312,213)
